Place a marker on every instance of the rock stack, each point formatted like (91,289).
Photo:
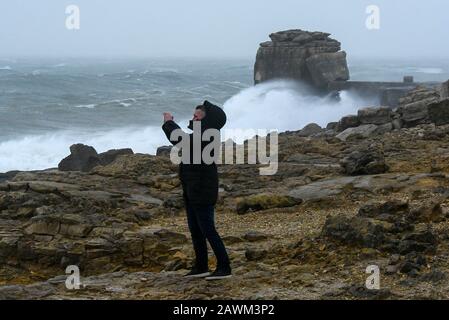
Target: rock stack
(312,57)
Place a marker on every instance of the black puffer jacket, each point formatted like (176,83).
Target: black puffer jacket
(199,181)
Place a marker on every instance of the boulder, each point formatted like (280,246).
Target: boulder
(81,158)
(309,130)
(439,112)
(384,128)
(413,108)
(332,126)
(396,124)
(363,131)
(375,115)
(420,93)
(163,151)
(414,114)
(346,122)
(110,156)
(141,166)
(327,67)
(364,162)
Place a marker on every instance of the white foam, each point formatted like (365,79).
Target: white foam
(285,105)
(122,102)
(87,106)
(45,151)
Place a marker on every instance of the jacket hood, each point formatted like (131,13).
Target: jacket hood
(215,117)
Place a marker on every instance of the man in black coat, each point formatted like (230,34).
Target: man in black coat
(199,180)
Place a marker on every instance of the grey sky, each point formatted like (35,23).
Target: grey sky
(210,28)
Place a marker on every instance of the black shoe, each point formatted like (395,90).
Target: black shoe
(196,273)
(220,274)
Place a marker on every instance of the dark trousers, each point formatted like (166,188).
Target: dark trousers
(202,226)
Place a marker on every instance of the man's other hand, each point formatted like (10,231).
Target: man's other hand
(167,116)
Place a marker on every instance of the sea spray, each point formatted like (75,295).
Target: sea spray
(38,152)
(287,105)
(276,105)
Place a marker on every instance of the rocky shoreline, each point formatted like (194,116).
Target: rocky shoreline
(311,57)
(371,189)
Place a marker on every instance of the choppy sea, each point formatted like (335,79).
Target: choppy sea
(48,104)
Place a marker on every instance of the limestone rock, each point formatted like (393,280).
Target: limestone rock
(439,112)
(85,158)
(265,201)
(332,126)
(164,151)
(363,131)
(81,158)
(311,57)
(375,115)
(128,215)
(327,67)
(381,235)
(110,156)
(309,130)
(364,162)
(413,107)
(346,122)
